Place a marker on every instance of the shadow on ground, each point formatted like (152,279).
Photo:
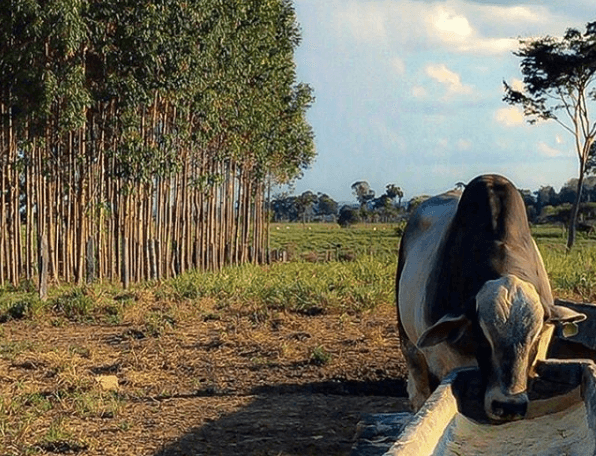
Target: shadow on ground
(292,420)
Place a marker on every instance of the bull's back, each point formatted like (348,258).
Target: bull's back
(419,251)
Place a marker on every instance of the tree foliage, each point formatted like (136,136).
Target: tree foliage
(306,207)
(348,216)
(559,83)
(149,130)
(363,192)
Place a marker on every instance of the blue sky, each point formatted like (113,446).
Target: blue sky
(410,92)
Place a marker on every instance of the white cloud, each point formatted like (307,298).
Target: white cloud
(490,46)
(512,16)
(398,66)
(464,144)
(447,25)
(455,25)
(515,13)
(510,117)
(450,79)
(450,25)
(548,151)
(419,92)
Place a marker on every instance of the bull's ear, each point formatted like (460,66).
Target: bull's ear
(562,314)
(567,319)
(447,328)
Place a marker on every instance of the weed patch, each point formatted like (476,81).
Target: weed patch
(19,305)
(74,305)
(59,439)
(320,356)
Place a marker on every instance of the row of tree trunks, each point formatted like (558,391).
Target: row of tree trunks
(131,167)
(64,191)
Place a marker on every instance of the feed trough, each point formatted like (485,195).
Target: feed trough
(560,421)
(561,418)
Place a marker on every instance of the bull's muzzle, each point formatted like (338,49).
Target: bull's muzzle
(507,408)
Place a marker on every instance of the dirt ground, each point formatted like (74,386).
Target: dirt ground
(206,384)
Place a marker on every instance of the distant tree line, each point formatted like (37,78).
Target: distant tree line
(138,139)
(307,207)
(320,207)
(546,205)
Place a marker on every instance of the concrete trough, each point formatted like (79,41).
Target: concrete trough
(561,419)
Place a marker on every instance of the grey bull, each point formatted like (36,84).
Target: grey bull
(472,290)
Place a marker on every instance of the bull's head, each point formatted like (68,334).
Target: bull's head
(510,324)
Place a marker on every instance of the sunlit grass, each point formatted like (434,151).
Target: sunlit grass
(573,273)
(349,283)
(371,239)
(296,286)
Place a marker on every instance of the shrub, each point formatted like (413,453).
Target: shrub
(75,304)
(348,217)
(320,356)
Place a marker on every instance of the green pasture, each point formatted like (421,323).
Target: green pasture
(573,274)
(299,239)
(359,278)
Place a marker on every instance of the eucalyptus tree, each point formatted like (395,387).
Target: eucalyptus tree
(143,135)
(44,102)
(393,191)
(559,83)
(363,192)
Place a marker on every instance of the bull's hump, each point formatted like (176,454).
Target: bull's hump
(491,205)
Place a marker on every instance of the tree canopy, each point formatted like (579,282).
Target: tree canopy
(363,192)
(184,111)
(559,76)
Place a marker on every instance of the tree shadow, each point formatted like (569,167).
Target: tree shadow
(293,420)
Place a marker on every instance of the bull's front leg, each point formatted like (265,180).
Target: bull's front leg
(420,380)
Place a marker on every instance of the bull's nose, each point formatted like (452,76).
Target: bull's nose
(509,410)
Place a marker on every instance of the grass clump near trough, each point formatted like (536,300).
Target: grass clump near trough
(572,274)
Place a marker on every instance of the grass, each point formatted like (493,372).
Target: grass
(571,274)
(320,356)
(356,282)
(302,239)
(300,287)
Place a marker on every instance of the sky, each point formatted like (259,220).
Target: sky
(410,92)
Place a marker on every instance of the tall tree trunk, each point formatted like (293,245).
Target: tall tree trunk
(3,177)
(571,232)
(583,161)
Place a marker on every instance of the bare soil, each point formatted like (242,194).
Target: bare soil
(198,383)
